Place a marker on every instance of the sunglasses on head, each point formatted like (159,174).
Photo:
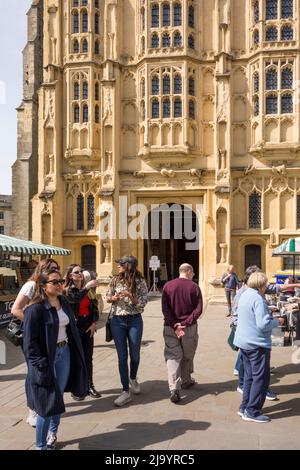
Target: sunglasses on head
(78,272)
(56,282)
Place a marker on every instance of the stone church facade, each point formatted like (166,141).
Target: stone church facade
(188,102)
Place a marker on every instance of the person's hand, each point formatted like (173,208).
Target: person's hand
(92,284)
(281,321)
(272,308)
(179,331)
(92,329)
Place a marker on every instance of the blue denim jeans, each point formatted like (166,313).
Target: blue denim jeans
(239,366)
(61,372)
(127,331)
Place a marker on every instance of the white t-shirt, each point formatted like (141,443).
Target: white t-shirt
(63,322)
(28,289)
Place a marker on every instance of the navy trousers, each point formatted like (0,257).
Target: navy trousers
(256,379)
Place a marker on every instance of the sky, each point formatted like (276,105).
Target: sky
(13,38)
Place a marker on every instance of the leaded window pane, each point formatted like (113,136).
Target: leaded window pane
(143,19)
(256,37)
(76,47)
(177,14)
(75,22)
(271,79)
(97,24)
(287,8)
(256,106)
(85,91)
(177,40)
(255,210)
(177,84)
(143,91)
(166,15)
(155,16)
(286,79)
(76,114)
(287,33)
(271,104)
(97,91)
(80,212)
(191,42)
(166,85)
(76,91)
(155,85)
(272,34)
(155,109)
(298,212)
(97,48)
(91,212)
(155,41)
(166,40)
(191,109)
(85,22)
(96,3)
(84,3)
(85,114)
(177,108)
(271,9)
(191,86)
(256,12)
(97,114)
(256,83)
(85,46)
(286,103)
(166,108)
(75,3)
(191,16)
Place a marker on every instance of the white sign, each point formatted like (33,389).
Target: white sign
(154,263)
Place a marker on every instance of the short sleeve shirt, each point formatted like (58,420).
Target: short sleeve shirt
(28,289)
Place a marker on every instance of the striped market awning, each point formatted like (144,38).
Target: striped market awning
(17,246)
(288,247)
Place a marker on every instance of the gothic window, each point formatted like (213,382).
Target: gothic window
(80,212)
(154,41)
(75,22)
(271,9)
(287,33)
(286,8)
(97,47)
(177,39)
(155,109)
(177,107)
(97,91)
(256,105)
(271,104)
(85,46)
(298,211)
(143,111)
(76,113)
(271,34)
(97,114)
(76,91)
(84,3)
(166,108)
(85,113)
(191,42)
(143,44)
(177,14)
(85,22)
(255,210)
(155,85)
(177,84)
(286,103)
(143,19)
(271,79)
(75,3)
(191,16)
(191,109)
(256,37)
(166,40)
(143,90)
(256,12)
(96,23)
(166,15)
(286,79)
(91,212)
(85,91)
(191,86)
(256,82)
(155,16)
(76,47)
(166,85)
(96,3)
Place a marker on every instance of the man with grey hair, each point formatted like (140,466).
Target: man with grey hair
(181,306)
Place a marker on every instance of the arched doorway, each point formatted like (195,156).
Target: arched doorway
(253,256)
(88,257)
(173,236)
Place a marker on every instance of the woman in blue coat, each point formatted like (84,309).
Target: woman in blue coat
(54,357)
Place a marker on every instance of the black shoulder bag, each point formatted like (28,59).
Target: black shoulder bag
(14,332)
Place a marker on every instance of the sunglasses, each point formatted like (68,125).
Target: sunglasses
(78,272)
(56,282)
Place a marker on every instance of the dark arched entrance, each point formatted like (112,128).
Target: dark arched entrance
(88,257)
(173,246)
(253,256)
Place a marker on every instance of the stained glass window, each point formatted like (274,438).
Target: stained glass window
(76,47)
(191,86)
(155,41)
(271,79)
(286,103)
(191,42)
(80,212)
(177,84)
(191,109)
(177,39)
(271,104)
(76,91)
(271,9)
(177,14)
(287,79)
(255,210)
(287,33)
(166,108)
(155,85)
(191,16)
(155,109)
(271,34)
(85,113)
(85,22)
(177,107)
(75,22)
(166,40)
(166,85)
(155,16)
(166,15)
(286,8)
(91,212)
(76,114)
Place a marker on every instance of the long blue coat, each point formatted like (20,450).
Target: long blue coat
(41,325)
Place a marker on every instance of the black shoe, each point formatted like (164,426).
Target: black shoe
(93,392)
(77,398)
(175,396)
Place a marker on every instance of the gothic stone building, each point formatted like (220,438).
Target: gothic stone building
(193,102)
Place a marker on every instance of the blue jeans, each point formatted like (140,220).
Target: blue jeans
(129,329)
(61,372)
(256,379)
(239,366)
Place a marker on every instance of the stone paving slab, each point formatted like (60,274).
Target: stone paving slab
(205,419)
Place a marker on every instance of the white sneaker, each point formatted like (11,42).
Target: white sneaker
(31,418)
(240,390)
(51,441)
(235,372)
(135,386)
(122,399)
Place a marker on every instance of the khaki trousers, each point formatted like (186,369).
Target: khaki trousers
(179,355)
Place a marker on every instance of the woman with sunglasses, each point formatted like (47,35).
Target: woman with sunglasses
(128,294)
(85,308)
(54,357)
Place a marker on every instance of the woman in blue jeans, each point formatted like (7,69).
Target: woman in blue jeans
(128,294)
(54,356)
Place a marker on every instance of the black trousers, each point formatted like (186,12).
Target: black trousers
(87,345)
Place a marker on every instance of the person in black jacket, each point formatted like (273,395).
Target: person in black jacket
(54,356)
(85,308)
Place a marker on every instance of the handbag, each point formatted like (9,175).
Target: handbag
(14,332)
(231,339)
(108,333)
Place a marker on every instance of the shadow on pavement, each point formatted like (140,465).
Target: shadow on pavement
(283,409)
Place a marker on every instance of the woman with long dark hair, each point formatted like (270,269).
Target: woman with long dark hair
(54,356)
(85,308)
(128,294)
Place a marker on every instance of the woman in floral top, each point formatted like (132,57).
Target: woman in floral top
(128,294)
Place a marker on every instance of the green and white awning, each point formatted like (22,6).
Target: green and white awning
(289,247)
(16,246)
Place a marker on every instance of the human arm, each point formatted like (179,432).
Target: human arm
(198,307)
(19,305)
(167,311)
(32,337)
(263,319)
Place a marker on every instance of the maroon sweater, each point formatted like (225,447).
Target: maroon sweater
(181,302)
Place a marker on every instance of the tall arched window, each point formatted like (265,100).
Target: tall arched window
(91,212)
(287,7)
(287,33)
(143,19)
(76,47)
(286,79)
(166,14)
(155,109)
(143,89)
(155,85)
(287,103)
(85,113)
(75,3)
(155,16)
(271,79)
(191,109)
(85,91)
(191,86)
(255,210)
(154,41)
(76,114)
(85,46)
(177,84)
(96,3)
(166,108)
(97,48)
(97,114)
(191,42)
(256,82)
(85,22)
(271,34)
(97,91)
(191,16)
(177,39)
(177,107)
(75,22)
(271,9)
(76,91)
(166,40)
(256,38)
(84,3)
(97,28)
(177,14)
(256,12)
(166,85)
(256,105)
(80,212)
(271,104)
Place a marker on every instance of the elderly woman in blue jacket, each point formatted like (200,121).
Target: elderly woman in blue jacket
(253,337)
(54,356)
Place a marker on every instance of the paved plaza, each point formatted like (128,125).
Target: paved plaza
(206,418)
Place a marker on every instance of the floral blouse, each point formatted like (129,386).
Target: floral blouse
(125,306)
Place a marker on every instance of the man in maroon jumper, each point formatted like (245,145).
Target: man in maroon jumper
(181,306)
